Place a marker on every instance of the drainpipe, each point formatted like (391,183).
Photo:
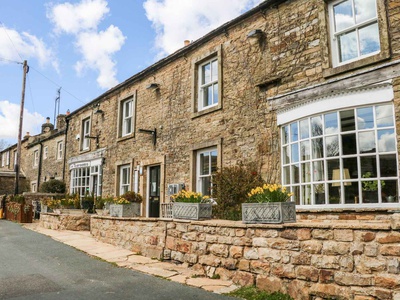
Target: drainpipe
(40,165)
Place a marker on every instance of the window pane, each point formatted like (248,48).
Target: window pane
(213,161)
(205,163)
(305,150)
(206,185)
(389,191)
(384,116)
(318,171)
(317,148)
(294,132)
(286,175)
(305,172)
(207,96)
(386,140)
(319,191)
(349,145)
(351,193)
(306,194)
(365,10)
(332,146)
(285,134)
(366,142)
(350,166)
(368,165)
(348,46)
(304,129)
(215,94)
(206,73)
(295,153)
(388,165)
(343,13)
(214,70)
(331,123)
(365,118)
(285,155)
(333,164)
(295,173)
(369,39)
(316,126)
(347,121)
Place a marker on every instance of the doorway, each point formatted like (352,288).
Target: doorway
(154,191)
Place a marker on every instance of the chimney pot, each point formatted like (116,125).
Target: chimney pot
(186,42)
(47,120)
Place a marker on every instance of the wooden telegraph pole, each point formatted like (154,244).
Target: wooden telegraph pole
(21,118)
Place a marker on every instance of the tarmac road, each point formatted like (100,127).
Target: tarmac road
(34,266)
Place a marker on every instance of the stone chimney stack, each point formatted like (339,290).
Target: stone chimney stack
(61,122)
(46,127)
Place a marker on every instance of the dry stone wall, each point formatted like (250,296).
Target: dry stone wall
(329,259)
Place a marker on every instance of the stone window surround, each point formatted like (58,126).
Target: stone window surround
(36,158)
(121,168)
(34,186)
(120,116)
(45,152)
(59,152)
(193,158)
(384,54)
(216,52)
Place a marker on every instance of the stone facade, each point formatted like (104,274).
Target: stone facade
(76,222)
(308,260)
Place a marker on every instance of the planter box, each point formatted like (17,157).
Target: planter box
(191,211)
(23,215)
(276,212)
(125,210)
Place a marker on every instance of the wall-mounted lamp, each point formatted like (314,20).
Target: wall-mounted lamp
(152,132)
(256,33)
(153,86)
(99,112)
(94,137)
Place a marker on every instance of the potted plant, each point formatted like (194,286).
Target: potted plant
(269,204)
(191,205)
(127,205)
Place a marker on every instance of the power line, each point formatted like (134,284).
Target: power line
(12,43)
(59,86)
(11,61)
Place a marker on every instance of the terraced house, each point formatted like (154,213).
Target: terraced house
(307,88)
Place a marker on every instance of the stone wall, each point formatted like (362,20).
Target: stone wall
(308,260)
(76,222)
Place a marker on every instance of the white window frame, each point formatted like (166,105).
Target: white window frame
(200,176)
(34,187)
(127,114)
(334,35)
(124,185)
(80,181)
(309,184)
(45,152)
(60,150)
(35,158)
(3,159)
(85,133)
(202,87)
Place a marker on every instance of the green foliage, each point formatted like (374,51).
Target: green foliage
(18,199)
(371,185)
(230,188)
(53,186)
(133,197)
(252,293)
(88,203)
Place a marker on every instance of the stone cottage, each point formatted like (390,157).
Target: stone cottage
(307,88)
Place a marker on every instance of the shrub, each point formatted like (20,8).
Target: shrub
(230,188)
(132,197)
(53,186)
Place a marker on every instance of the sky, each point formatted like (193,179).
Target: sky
(87,47)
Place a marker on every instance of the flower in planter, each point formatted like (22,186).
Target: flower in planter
(132,197)
(120,200)
(190,197)
(269,193)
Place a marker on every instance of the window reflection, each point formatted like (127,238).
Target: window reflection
(365,118)
(331,123)
(386,140)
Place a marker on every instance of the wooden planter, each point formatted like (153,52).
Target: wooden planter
(191,211)
(125,210)
(276,212)
(23,213)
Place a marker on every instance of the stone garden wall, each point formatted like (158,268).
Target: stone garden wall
(310,259)
(76,222)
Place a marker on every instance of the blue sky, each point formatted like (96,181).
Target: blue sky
(88,46)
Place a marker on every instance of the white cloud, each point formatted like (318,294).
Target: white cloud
(74,18)
(14,44)
(9,121)
(96,47)
(176,20)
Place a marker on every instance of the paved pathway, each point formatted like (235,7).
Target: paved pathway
(181,273)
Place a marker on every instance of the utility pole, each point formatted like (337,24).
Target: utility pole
(21,118)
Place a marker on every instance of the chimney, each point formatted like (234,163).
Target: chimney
(46,127)
(47,120)
(61,121)
(27,135)
(186,42)
(68,112)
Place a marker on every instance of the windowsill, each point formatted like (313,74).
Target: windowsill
(84,151)
(126,137)
(383,55)
(206,111)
